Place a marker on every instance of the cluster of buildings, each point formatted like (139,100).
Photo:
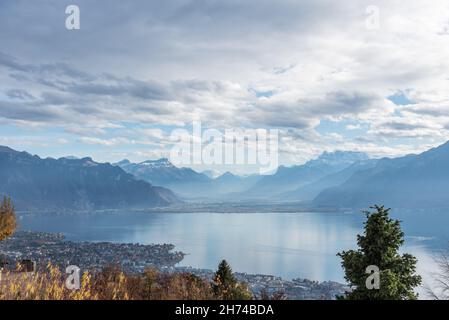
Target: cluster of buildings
(36,249)
(296,289)
(43,248)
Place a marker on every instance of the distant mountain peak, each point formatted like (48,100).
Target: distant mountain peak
(70,158)
(212,173)
(338,158)
(163,162)
(122,162)
(5,149)
(228,174)
(343,155)
(88,162)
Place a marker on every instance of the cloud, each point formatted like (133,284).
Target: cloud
(105,142)
(156,65)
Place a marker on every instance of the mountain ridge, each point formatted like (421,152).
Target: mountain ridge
(415,180)
(288,179)
(35,183)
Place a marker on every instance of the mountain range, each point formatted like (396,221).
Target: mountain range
(73,184)
(186,182)
(310,190)
(289,179)
(338,179)
(162,172)
(412,181)
(288,183)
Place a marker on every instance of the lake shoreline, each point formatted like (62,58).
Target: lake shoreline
(289,245)
(43,248)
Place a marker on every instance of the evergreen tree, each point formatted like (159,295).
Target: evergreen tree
(226,286)
(379,246)
(7,219)
(224,279)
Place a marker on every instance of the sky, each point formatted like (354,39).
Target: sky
(370,76)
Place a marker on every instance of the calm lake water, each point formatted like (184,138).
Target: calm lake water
(286,244)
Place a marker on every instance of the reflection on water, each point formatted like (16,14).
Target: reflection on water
(285,244)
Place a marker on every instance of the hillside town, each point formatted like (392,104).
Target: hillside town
(43,248)
(39,248)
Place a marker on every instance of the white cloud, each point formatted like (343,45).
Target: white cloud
(135,70)
(105,142)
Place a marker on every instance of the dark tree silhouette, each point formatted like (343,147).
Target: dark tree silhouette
(225,285)
(379,246)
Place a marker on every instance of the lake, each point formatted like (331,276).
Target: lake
(290,245)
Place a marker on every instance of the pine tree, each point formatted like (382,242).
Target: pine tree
(7,218)
(225,285)
(379,246)
(224,279)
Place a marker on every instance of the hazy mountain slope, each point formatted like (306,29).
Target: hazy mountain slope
(190,184)
(311,190)
(290,178)
(35,183)
(187,182)
(412,181)
(229,183)
(212,174)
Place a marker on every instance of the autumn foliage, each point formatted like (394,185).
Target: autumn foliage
(109,284)
(7,219)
